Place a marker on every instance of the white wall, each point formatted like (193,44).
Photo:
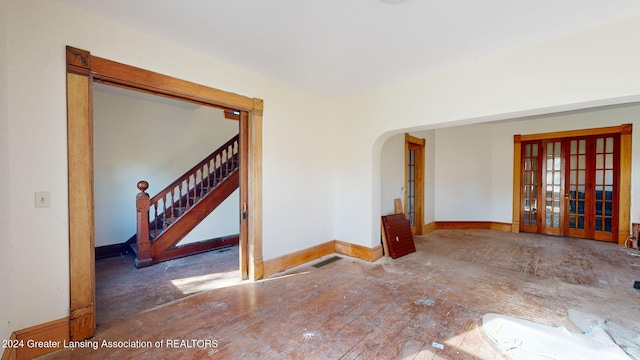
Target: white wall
(298,150)
(5,147)
(392,173)
(462,174)
(430,175)
(585,69)
(149,138)
(297,158)
(223,221)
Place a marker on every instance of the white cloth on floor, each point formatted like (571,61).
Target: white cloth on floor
(526,340)
(626,338)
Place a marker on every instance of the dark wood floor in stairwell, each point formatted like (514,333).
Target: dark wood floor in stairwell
(123,290)
(392,309)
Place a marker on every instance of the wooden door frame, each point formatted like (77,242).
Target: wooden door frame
(419,181)
(624,184)
(82,70)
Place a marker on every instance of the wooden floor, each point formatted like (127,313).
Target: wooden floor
(123,290)
(390,309)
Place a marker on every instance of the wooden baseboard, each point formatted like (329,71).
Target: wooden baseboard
(284,262)
(39,340)
(358,251)
(453,225)
(427,228)
(506,227)
(472,225)
(462,225)
(102,252)
(196,248)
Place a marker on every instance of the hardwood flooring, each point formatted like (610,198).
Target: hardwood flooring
(390,309)
(123,290)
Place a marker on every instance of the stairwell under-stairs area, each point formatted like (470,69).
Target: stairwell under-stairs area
(166,218)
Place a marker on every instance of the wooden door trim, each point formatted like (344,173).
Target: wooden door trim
(82,70)
(624,186)
(82,303)
(130,77)
(620,129)
(624,201)
(419,181)
(517,178)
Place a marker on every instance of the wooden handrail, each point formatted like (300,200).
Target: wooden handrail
(194,169)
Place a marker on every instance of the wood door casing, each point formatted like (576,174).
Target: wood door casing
(580,187)
(82,69)
(414,182)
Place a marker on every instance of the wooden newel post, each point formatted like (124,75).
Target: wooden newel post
(142,235)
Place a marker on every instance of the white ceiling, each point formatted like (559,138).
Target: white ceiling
(340,48)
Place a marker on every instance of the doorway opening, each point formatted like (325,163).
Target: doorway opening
(574,183)
(140,136)
(82,70)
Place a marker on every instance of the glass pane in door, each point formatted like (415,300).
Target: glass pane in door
(553,187)
(604,184)
(411,188)
(530,186)
(577,184)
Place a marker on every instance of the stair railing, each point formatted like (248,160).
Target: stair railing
(182,194)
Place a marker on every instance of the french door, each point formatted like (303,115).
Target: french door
(570,186)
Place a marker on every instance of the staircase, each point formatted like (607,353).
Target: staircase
(166,218)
